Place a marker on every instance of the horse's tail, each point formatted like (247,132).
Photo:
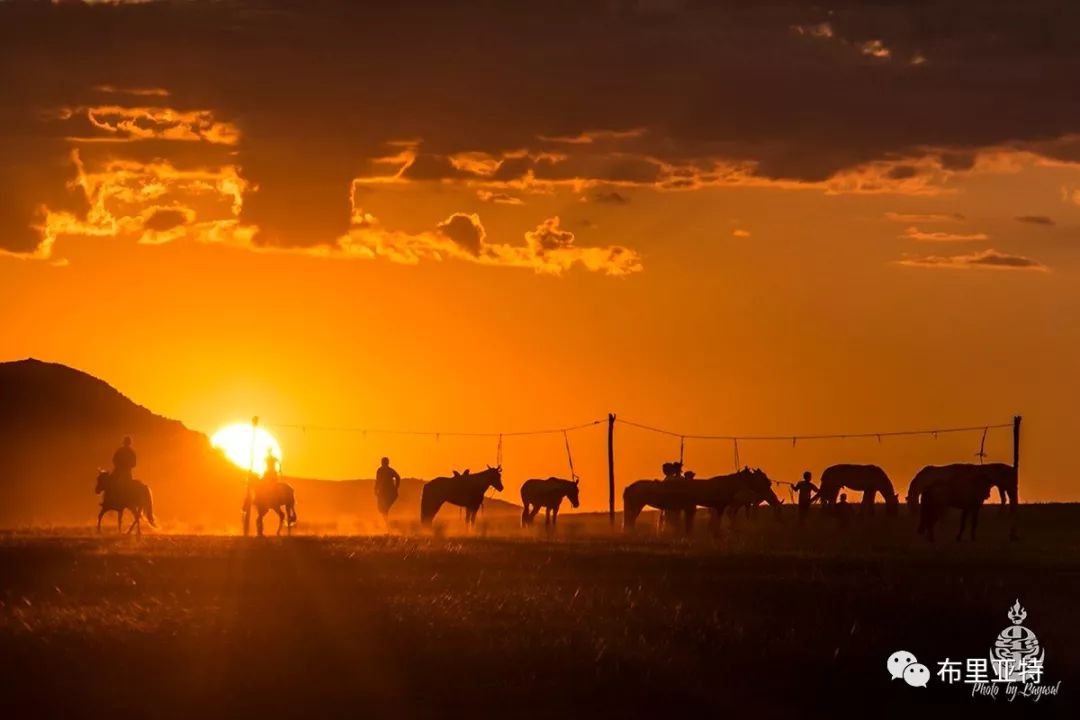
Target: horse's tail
(429,505)
(149,500)
(290,506)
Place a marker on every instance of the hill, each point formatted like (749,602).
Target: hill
(58,425)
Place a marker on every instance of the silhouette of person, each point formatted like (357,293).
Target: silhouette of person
(123,463)
(387,482)
(843,510)
(804,487)
(672,470)
(270,474)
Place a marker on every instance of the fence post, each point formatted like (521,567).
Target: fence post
(1015,499)
(611,467)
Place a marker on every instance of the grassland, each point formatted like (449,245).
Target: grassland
(768,620)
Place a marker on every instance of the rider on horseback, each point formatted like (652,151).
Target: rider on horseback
(123,463)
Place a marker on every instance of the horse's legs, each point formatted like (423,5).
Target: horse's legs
(135,523)
(547,516)
(690,521)
(259,522)
(280,519)
(963,522)
(974,521)
(554,516)
(99,516)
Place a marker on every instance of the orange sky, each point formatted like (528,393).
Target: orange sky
(395,253)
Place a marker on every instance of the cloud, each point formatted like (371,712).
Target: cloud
(1035,219)
(627,101)
(914,233)
(923,217)
(465,231)
(611,198)
(119,123)
(549,249)
(498,198)
(986,259)
(740,233)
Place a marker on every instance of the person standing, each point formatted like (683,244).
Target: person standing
(804,487)
(387,482)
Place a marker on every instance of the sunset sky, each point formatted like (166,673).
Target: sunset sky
(783,218)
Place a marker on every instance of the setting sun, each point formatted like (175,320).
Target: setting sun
(241,448)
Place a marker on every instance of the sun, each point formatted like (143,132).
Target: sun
(242,449)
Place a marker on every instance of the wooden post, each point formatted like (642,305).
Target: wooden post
(611,467)
(1016,471)
(1016,447)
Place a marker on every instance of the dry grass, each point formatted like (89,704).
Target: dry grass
(768,618)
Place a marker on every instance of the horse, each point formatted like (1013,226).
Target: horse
(266,496)
(1003,475)
(868,479)
(134,496)
(684,496)
(962,486)
(668,496)
(547,494)
(744,489)
(465,490)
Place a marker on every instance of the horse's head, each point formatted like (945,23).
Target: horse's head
(572,493)
(102,481)
(494,477)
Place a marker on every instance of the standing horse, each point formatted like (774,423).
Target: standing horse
(547,494)
(870,480)
(960,486)
(267,496)
(135,497)
(670,497)
(465,490)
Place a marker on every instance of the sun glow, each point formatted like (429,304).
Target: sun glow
(246,446)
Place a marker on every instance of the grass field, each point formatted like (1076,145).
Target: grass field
(769,620)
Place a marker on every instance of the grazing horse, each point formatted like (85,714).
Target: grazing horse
(547,494)
(744,489)
(684,496)
(466,490)
(960,486)
(135,497)
(1003,476)
(266,496)
(868,479)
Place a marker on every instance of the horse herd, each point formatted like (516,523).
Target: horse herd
(933,490)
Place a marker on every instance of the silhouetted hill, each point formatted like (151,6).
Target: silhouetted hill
(58,425)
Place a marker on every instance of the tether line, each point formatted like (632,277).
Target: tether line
(831,436)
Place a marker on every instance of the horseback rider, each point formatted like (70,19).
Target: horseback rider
(270,474)
(387,482)
(123,463)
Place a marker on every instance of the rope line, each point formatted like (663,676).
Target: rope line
(794,438)
(434,434)
(569,457)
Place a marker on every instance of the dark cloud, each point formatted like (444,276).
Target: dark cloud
(165,219)
(465,231)
(612,197)
(314,96)
(1035,219)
